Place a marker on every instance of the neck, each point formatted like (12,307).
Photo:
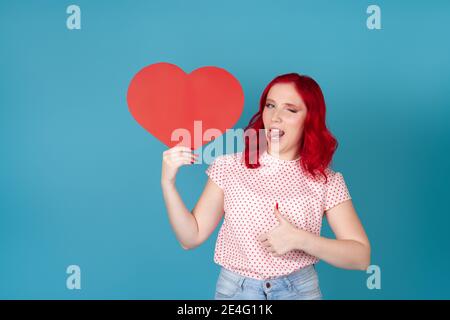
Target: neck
(287,155)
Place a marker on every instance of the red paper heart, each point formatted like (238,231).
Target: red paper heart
(162,98)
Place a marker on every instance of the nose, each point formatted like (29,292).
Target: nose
(275,116)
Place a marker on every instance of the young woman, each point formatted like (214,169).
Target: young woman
(273,201)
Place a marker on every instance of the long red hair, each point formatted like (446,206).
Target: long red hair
(317,144)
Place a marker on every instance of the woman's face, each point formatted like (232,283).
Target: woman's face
(286,111)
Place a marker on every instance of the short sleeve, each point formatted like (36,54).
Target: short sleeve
(217,171)
(336,191)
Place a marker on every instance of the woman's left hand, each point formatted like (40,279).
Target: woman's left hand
(283,238)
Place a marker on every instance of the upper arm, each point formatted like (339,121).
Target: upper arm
(209,210)
(345,223)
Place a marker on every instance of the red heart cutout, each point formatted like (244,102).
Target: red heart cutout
(163,98)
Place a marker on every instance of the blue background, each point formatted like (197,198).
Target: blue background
(80,179)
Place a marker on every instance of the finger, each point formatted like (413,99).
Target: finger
(265,243)
(278,216)
(177,159)
(182,148)
(175,150)
(190,157)
(275,209)
(172,153)
(262,237)
(182,152)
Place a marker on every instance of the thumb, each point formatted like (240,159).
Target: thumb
(278,213)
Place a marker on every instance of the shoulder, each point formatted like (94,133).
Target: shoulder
(330,173)
(332,176)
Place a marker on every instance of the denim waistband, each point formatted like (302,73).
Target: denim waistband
(239,279)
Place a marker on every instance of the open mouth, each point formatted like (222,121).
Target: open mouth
(275,134)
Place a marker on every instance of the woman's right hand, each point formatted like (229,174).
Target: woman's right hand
(174,158)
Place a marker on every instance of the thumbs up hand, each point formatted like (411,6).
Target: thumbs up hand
(283,238)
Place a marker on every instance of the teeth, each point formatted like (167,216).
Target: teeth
(276,133)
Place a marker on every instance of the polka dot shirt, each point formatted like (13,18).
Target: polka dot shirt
(249,200)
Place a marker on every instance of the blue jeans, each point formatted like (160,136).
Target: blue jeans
(302,284)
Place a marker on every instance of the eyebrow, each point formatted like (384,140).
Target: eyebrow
(288,104)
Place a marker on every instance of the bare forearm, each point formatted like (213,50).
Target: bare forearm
(182,220)
(346,254)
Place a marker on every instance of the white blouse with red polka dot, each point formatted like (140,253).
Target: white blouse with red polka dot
(249,200)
